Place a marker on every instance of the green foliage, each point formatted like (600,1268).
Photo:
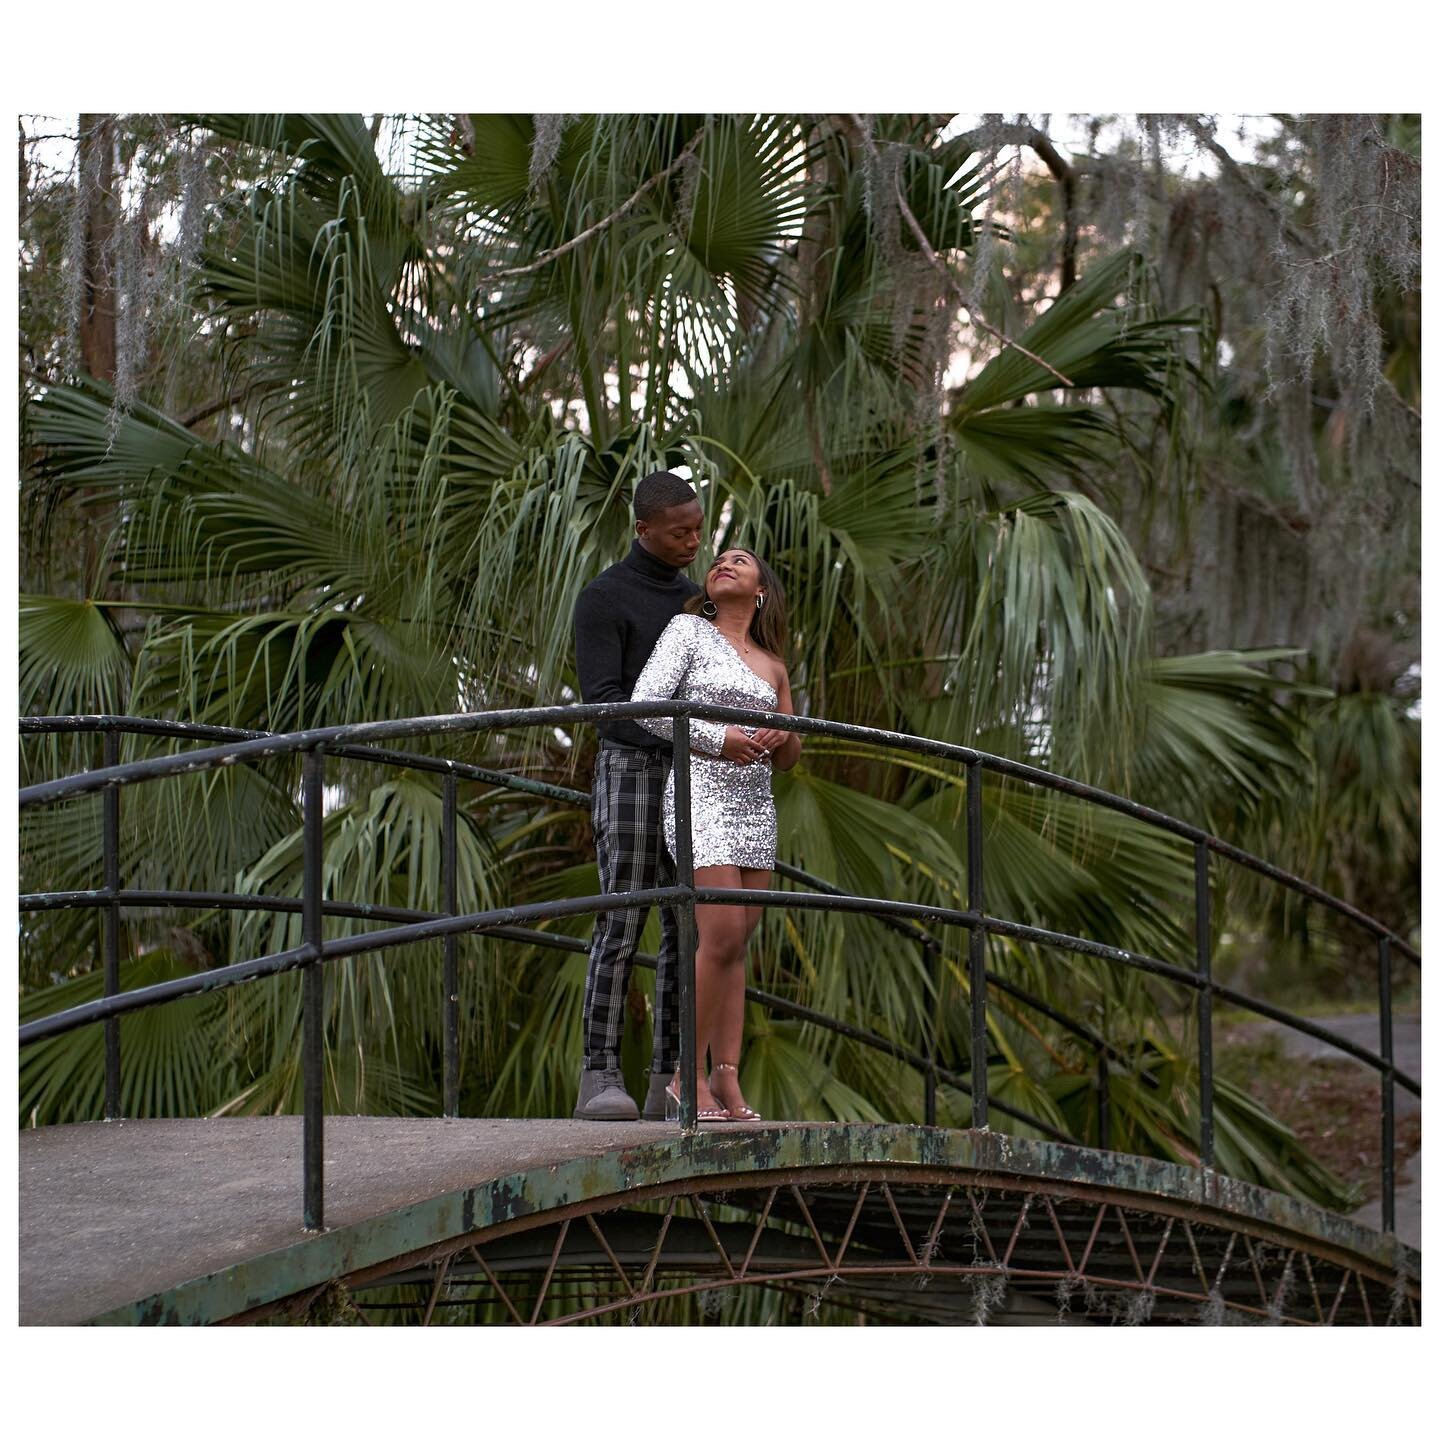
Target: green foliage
(174,1055)
(452,380)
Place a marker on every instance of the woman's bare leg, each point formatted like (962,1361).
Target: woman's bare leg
(754,880)
(720,946)
(728,1017)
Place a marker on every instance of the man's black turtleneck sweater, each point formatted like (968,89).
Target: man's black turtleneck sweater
(618,619)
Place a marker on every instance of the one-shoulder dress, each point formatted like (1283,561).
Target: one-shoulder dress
(732,811)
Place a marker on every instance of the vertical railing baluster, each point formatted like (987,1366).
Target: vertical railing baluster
(1387,1095)
(313,997)
(974,865)
(933,959)
(111,756)
(1102,1087)
(1202,966)
(451,980)
(685,918)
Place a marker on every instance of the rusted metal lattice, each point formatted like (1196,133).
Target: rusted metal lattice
(885,1246)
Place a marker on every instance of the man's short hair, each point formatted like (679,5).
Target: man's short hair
(659,491)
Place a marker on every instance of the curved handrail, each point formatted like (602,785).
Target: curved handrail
(144,725)
(429,926)
(264,745)
(359,910)
(41,1029)
(247,746)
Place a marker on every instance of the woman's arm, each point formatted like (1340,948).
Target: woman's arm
(661,680)
(784,745)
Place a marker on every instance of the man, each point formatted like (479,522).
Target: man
(618,619)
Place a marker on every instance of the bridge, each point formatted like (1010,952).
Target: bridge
(542,1221)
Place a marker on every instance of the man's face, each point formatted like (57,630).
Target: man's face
(673,534)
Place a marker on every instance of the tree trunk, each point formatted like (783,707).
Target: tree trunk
(1064,175)
(97,320)
(815,262)
(95,170)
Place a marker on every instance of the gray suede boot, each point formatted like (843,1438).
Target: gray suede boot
(655,1096)
(603,1096)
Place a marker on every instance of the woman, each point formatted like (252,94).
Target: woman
(725,647)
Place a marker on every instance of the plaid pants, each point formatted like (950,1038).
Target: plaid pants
(625,810)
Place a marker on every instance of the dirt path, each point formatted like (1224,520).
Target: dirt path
(1360,1029)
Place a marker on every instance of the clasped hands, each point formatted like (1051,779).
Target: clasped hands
(744,749)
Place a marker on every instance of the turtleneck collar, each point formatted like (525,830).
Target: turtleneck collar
(642,560)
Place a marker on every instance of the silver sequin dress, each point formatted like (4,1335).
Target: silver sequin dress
(732,812)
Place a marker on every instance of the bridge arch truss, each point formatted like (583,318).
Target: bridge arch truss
(895,1223)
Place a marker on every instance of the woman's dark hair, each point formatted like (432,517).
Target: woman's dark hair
(769,625)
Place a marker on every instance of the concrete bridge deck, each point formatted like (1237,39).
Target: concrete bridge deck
(111,1213)
(188,1221)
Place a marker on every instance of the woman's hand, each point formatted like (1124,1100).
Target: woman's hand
(782,746)
(771,740)
(743,749)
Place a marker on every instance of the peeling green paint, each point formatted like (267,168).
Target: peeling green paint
(743,1158)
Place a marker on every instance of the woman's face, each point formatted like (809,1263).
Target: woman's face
(734,574)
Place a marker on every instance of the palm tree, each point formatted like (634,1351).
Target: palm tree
(452,377)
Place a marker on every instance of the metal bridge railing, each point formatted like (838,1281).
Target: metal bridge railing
(406,927)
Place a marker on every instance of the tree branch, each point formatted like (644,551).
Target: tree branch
(1235,171)
(543,364)
(516,271)
(211,407)
(1063,170)
(1064,174)
(944,270)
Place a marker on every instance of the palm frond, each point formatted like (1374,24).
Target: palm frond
(73,658)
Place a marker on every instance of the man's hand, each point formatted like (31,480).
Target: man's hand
(740,747)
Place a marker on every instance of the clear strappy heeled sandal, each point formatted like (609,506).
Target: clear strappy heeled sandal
(672,1107)
(741,1111)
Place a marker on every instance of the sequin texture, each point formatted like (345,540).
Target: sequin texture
(732,812)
